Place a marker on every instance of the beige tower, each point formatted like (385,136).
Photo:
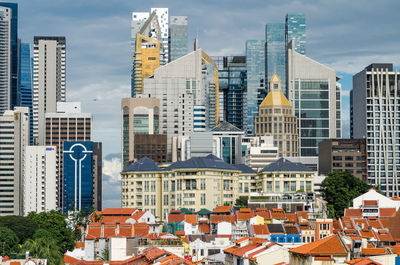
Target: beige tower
(275,118)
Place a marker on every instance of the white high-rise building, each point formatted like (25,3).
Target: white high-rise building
(5,59)
(39,189)
(48,80)
(162,15)
(14,137)
(375,116)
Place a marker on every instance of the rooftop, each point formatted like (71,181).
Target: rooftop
(284,165)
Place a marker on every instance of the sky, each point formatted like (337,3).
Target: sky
(344,35)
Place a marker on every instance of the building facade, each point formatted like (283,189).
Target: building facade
(259,151)
(153,146)
(49,81)
(296,31)
(5,58)
(67,124)
(375,113)
(9,38)
(97,176)
(25,82)
(276,119)
(14,138)
(316,98)
(178,37)
(256,90)
(343,155)
(77,176)
(275,36)
(139,116)
(39,188)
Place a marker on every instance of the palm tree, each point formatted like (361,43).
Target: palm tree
(44,248)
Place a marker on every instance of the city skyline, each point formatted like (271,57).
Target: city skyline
(98,61)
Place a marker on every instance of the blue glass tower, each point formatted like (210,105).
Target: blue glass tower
(276,52)
(296,31)
(77,176)
(178,37)
(15,96)
(256,92)
(25,82)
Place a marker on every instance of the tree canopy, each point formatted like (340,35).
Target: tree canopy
(8,242)
(241,201)
(339,189)
(24,228)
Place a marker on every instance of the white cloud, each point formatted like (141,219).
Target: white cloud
(112,168)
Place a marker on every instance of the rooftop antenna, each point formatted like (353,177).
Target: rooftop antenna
(196,42)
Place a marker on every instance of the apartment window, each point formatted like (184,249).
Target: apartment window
(246,187)
(203,199)
(202,184)
(269,186)
(277,186)
(165,185)
(165,200)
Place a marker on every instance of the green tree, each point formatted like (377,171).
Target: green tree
(8,242)
(105,255)
(241,201)
(55,223)
(44,248)
(23,227)
(339,189)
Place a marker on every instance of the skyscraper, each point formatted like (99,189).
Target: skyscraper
(48,80)
(276,52)
(39,186)
(178,37)
(67,124)
(256,92)
(97,176)
(163,21)
(276,118)
(25,82)
(296,31)
(77,176)
(5,58)
(315,95)
(9,30)
(375,116)
(14,136)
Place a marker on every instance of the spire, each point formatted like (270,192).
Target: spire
(196,42)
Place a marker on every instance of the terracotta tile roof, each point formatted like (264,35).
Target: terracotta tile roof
(136,216)
(384,222)
(395,198)
(323,259)
(366,233)
(396,249)
(278,214)
(362,261)
(79,244)
(292,217)
(375,223)
(191,219)
(223,209)
(262,210)
(291,229)
(112,220)
(383,236)
(327,246)
(370,202)
(205,228)
(118,211)
(244,216)
(241,240)
(215,219)
(387,212)
(93,232)
(362,223)
(175,216)
(265,215)
(353,212)
(260,229)
(140,229)
(373,251)
(303,214)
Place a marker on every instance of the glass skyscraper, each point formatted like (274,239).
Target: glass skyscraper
(256,92)
(25,81)
(77,176)
(276,52)
(178,37)
(14,95)
(296,30)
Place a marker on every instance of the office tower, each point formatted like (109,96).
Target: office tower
(153,146)
(148,47)
(343,155)
(259,151)
(296,31)
(67,124)
(315,95)
(256,91)
(163,21)
(25,82)
(48,81)
(275,34)
(275,118)
(232,77)
(139,116)
(5,58)
(14,137)
(178,37)
(77,176)
(39,186)
(182,85)
(375,112)
(229,139)
(97,175)
(9,47)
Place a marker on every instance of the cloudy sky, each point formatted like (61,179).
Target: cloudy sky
(346,35)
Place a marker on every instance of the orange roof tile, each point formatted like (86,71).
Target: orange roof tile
(136,216)
(278,214)
(370,202)
(395,198)
(179,233)
(176,217)
(244,216)
(260,229)
(205,228)
(362,261)
(140,229)
(79,244)
(327,246)
(384,222)
(353,212)
(118,211)
(191,219)
(373,251)
(292,217)
(323,259)
(387,212)
(265,215)
(215,219)
(223,209)
(303,214)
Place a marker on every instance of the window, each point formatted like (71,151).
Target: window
(277,186)
(165,200)
(165,185)
(202,184)
(269,186)
(203,199)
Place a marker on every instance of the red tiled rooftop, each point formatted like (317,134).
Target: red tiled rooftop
(191,219)
(265,215)
(362,261)
(223,209)
(205,228)
(215,219)
(136,216)
(118,211)
(323,259)
(176,217)
(327,246)
(373,251)
(244,216)
(260,229)
(353,212)
(370,202)
(387,212)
